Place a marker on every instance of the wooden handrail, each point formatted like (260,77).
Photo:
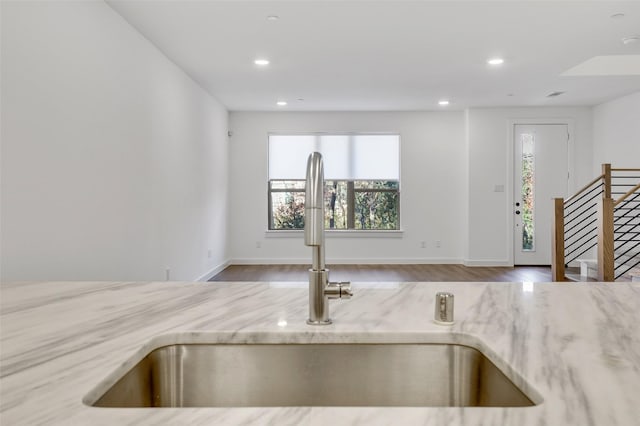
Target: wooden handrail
(625,170)
(631,191)
(587,186)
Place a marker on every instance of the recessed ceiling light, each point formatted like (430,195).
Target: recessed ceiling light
(261,62)
(630,40)
(495,61)
(301,99)
(617,16)
(273,18)
(443,102)
(281,103)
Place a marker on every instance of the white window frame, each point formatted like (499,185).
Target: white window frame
(352,232)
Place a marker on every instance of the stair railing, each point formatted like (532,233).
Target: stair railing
(575,224)
(626,220)
(605,214)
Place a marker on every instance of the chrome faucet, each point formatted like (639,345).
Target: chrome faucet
(320,289)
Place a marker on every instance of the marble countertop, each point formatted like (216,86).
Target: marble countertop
(576,347)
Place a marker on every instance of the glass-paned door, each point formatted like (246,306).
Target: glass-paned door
(541,174)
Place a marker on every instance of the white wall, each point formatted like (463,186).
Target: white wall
(433,170)
(616,133)
(490,218)
(451,163)
(114,162)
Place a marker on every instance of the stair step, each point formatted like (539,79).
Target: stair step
(579,278)
(634,274)
(588,268)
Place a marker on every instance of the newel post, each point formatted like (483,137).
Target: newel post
(606,180)
(557,239)
(606,268)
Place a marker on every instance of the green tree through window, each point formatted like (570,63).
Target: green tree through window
(365,205)
(528,168)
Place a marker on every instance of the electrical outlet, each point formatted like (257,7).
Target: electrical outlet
(423,244)
(167,274)
(258,244)
(438,243)
(209,254)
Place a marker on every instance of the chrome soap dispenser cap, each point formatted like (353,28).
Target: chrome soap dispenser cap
(444,308)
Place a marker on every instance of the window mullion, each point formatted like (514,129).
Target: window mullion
(351,205)
(270,209)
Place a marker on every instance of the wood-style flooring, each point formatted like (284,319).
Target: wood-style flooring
(388,273)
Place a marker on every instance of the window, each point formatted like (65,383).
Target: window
(362,180)
(528,188)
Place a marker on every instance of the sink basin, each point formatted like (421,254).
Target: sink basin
(266,375)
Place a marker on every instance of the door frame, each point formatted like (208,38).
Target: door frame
(509,187)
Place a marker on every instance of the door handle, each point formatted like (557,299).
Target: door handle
(517,211)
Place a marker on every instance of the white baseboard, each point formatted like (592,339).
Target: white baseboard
(397,261)
(370,261)
(488,262)
(208,275)
(265,261)
(349,261)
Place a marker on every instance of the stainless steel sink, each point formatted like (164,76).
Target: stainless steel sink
(244,375)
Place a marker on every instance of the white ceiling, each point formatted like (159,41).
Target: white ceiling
(391,55)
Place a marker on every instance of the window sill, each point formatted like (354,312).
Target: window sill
(299,233)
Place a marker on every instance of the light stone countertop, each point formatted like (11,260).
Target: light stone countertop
(575,347)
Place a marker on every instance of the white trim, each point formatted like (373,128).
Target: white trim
(270,261)
(284,233)
(350,261)
(488,262)
(215,271)
(299,233)
(511,123)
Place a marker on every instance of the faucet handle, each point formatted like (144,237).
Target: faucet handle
(345,290)
(339,290)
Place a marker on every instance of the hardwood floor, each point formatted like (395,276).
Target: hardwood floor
(388,273)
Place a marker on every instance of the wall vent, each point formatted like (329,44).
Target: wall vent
(554,94)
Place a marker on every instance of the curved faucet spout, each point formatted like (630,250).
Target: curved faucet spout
(314,201)
(320,290)
(314,209)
